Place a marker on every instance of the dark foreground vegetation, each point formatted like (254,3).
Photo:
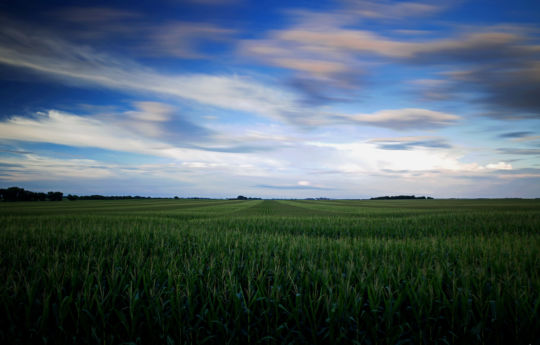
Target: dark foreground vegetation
(270,272)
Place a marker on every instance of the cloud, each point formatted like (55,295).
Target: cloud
(403,119)
(66,129)
(152,128)
(500,67)
(368,158)
(515,135)
(134,32)
(409,143)
(392,10)
(291,187)
(161,121)
(521,173)
(247,139)
(528,138)
(151,111)
(340,42)
(319,91)
(511,92)
(19,152)
(519,152)
(31,167)
(497,64)
(34,167)
(183,39)
(77,64)
(499,166)
(82,65)
(121,132)
(315,67)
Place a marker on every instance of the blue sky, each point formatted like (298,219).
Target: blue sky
(216,98)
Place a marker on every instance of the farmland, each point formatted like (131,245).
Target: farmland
(270,272)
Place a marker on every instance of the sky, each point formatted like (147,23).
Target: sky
(272,99)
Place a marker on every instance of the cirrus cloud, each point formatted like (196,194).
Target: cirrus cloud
(402,119)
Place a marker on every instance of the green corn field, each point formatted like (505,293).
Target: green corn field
(270,272)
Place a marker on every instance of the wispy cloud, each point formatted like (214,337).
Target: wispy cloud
(520,151)
(369,158)
(515,135)
(35,167)
(126,134)
(67,129)
(392,10)
(183,39)
(408,143)
(497,63)
(134,32)
(77,64)
(402,119)
(291,187)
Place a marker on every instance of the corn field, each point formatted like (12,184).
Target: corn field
(270,272)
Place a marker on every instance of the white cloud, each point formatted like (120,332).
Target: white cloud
(34,167)
(67,129)
(78,131)
(151,111)
(368,158)
(499,166)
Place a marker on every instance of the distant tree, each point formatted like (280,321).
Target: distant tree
(55,196)
(241,197)
(13,194)
(176,197)
(72,197)
(20,194)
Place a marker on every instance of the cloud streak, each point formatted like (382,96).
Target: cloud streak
(112,133)
(74,64)
(402,119)
(291,187)
(392,10)
(183,39)
(499,63)
(516,135)
(409,143)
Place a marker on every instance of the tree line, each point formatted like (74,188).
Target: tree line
(241,197)
(400,197)
(20,194)
(103,197)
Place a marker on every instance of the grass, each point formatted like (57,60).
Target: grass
(270,272)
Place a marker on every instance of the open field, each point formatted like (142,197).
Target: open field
(270,272)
